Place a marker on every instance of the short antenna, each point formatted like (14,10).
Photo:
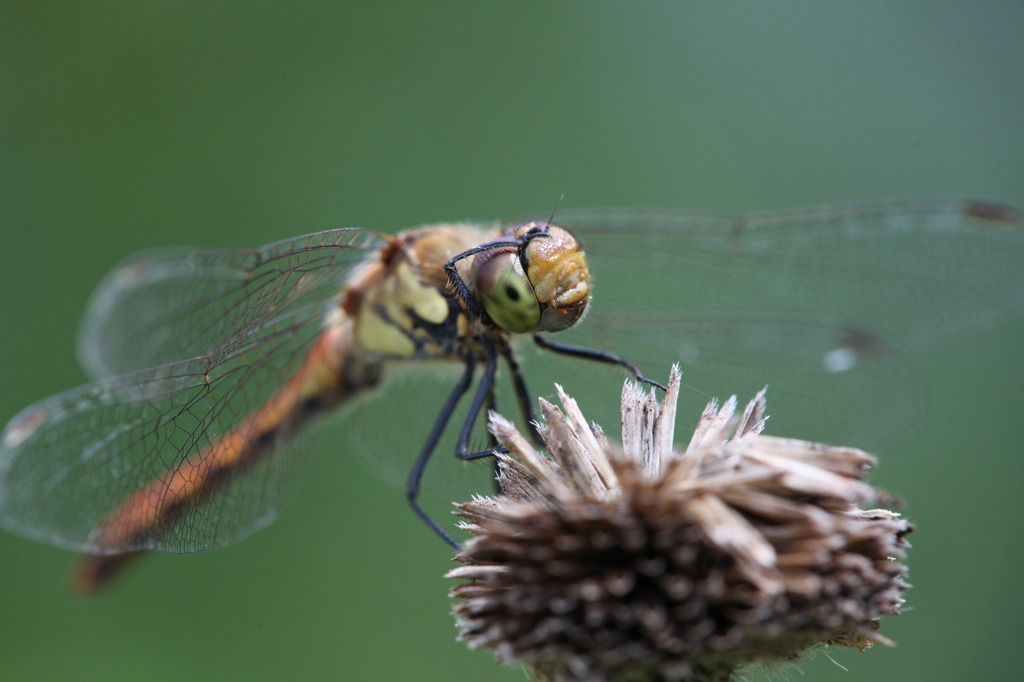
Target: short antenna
(558,205)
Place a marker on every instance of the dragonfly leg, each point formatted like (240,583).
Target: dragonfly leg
(462,290)
(492,442)
(484,393)
(412,486)
(596,355)
(522,395)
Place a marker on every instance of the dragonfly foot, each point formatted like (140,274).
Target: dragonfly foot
(644,380)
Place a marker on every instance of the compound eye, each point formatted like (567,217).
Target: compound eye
(505,292)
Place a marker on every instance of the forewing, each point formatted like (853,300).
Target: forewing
(822,305)
(68,461)
(166,305)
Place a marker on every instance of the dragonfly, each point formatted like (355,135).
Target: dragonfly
(209,364)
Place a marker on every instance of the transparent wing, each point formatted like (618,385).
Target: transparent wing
(67,461)
(823,305)
(164,305)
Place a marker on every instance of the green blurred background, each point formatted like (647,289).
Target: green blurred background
(126,125)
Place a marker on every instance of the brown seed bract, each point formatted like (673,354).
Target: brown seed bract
(637,563)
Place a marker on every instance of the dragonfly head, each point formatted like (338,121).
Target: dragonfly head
(543,286)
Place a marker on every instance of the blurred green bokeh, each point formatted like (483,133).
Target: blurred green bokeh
(126,125)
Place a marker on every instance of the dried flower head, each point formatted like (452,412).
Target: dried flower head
(637,563)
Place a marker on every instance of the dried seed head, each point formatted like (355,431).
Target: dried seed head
(636,563)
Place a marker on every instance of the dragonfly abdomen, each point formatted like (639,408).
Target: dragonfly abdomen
(332,372)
